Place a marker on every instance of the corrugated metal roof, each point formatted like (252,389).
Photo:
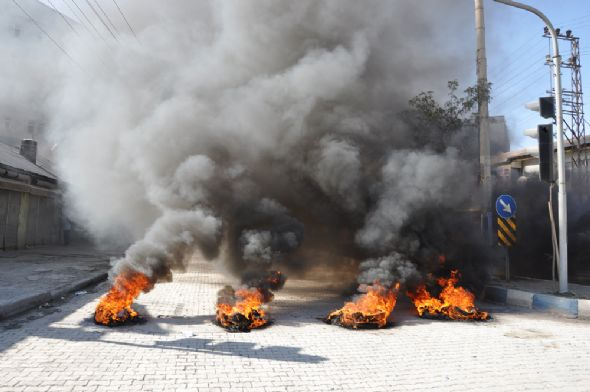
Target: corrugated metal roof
(9,156)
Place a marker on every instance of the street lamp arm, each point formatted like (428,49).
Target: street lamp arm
(540,15)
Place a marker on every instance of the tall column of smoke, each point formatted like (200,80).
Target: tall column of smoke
(269,130)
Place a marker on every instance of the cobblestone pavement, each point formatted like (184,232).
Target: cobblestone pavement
(179,349)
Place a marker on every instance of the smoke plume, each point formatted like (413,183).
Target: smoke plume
(263,133)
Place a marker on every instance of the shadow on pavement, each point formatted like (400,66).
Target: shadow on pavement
(39,322)
(52,323)
(224,348)
(240,349)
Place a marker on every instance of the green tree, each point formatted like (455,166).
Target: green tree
(434,122)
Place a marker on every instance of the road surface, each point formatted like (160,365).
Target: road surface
(58,348)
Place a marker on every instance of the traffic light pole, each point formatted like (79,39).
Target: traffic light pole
(561,195)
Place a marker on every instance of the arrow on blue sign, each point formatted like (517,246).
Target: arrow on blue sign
(505,206)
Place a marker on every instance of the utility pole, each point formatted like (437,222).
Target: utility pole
(561,195)
(573,103)
(485,162)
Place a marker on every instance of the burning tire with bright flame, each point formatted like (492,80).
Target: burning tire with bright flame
(242,310)
(370,310)
(453,302)
(245,313)
(115,307)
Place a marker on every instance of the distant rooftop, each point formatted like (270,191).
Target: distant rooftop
(10,158)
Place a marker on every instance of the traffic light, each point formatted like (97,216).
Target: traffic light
(546,170)
(545,106)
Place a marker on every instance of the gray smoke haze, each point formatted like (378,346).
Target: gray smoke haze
(30,72)
(260,132)
(387,270)
(411,180)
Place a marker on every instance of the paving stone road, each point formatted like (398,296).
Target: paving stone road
(179,349)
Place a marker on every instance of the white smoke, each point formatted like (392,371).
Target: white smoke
(30,70)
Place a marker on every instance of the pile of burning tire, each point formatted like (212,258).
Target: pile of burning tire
(243,309)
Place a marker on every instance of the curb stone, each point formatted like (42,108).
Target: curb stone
(520,298)
(79,284)
(569,307)
(23,304)
(584,308)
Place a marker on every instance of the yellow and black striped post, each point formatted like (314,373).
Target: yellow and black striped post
(506,231)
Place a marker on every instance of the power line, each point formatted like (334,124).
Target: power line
(101,20)
(46,33)
(573,20)
(106,16)
(507,87)
(525,55)
(510,76)
(88,20)
(584,19)
(512,53)
(503,103)
(80,21)
(579,24)
(63,17)
(125,19)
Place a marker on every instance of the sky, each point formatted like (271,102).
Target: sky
(516,53)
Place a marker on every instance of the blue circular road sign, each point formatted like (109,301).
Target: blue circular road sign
(505,206)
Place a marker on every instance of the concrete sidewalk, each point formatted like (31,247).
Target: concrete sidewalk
(541,295)
(34,276)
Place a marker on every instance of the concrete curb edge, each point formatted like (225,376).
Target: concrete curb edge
(569,307)
(21,305)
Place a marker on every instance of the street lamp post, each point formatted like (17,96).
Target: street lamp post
(561,196)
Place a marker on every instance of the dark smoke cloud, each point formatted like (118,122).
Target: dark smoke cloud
(532,256)
(263,133)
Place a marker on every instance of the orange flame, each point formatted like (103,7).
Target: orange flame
(115,307)
(371,310)
(246,313)
(454,302)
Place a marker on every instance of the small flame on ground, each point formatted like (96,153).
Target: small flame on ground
(454,302)
(115,307)
(242,310)
(370,310)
